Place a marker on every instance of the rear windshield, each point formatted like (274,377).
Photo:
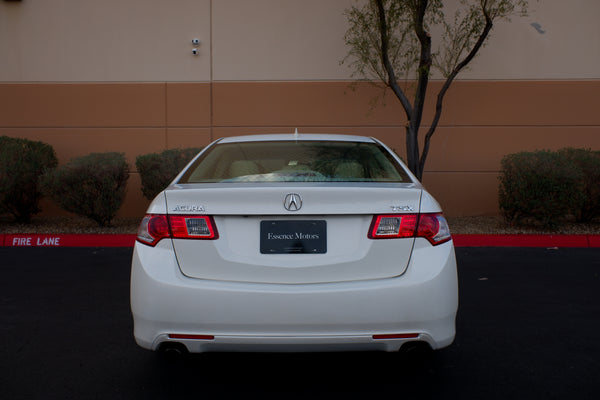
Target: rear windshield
(289,161)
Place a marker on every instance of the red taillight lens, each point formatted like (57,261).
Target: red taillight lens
(393,226)
(155,227)
(432,227)
(193,227)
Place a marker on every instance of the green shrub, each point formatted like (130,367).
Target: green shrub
(540,187)
(157,170)
(92,186)
(588,163)
(22,162)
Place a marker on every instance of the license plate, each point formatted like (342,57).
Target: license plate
(288,237)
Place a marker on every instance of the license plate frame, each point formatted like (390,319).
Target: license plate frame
(293,237)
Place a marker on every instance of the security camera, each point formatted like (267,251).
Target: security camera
(196,42)
(195,52)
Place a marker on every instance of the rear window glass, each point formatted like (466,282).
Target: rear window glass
(290,161)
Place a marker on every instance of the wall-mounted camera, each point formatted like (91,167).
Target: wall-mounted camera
(195,52)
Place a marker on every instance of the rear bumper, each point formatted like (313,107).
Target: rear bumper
(317,343)
(313,317)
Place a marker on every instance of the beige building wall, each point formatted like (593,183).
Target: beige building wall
(258,40)
(110,75)
(103,41)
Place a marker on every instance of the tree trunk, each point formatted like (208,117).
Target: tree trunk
(412,151)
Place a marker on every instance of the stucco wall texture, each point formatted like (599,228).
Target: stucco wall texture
(88,76)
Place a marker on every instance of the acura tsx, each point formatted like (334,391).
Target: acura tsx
(294,242)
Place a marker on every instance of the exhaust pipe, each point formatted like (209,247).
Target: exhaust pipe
(172,350)
(416,352)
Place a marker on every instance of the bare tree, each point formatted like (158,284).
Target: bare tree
(390,40)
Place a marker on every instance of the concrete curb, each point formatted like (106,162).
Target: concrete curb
(67,240)
(128,240)
(548,241)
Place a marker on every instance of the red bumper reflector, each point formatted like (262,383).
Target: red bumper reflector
(397,336)
(192,337)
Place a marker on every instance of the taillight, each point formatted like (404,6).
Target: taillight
(432,227)
(393,226)
(155,227)
(193,227)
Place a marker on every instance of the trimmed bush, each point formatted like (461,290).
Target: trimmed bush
(92,186)
(157,170)
(22,162)
(588,163)
(539,187)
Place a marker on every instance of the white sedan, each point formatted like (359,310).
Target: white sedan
(294,243)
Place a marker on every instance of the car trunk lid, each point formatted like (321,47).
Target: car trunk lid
(262,231)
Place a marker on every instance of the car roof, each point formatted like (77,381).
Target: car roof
(296,137)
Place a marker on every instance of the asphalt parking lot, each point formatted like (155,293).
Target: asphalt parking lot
(528,328)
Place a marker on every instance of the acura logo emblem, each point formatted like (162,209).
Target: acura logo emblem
(292,202)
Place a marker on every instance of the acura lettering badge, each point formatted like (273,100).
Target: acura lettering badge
(292,202)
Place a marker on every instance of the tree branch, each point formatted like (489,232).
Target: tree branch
(423,71)
(385,59)
(424,62)
(440,98)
